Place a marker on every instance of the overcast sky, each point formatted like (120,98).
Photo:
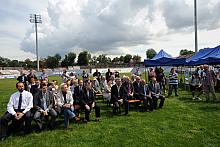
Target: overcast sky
(112,27)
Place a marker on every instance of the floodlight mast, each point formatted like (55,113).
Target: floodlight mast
(34,18)
(195,25)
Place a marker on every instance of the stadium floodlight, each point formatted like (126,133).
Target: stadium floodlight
(34,18)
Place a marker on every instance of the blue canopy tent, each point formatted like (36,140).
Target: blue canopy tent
(205,56)
(214,57)
(164,59)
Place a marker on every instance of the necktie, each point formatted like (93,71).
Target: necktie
(64,96)
(45,101)
(145,90)
(19,102)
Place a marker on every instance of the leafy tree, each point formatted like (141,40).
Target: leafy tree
(127,58)
(136,58)
(102,59)
(71,58)
(14,63)
(51,62)
(151,53)
(115,60)
(83,58)
(121,58)
(64,62)
(186,52)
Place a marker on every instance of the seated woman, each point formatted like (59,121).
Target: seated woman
(196,86)
(107,92)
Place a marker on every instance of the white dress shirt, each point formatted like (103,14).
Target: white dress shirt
(27,102)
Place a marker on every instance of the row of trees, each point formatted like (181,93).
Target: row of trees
(84,58)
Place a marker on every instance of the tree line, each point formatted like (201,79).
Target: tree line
(84,59)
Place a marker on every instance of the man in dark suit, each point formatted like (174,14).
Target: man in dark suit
(108,75)
(23,78)
(31,75)
(43,104)
(155,93)
(77,96)
(88,102)
(138,89)
(117,97)
(97,74)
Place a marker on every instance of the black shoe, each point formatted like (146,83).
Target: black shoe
(85,120)
(3,138)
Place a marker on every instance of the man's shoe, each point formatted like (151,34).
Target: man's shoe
(3,138)
(85,120)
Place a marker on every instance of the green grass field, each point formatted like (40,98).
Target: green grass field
(182,122)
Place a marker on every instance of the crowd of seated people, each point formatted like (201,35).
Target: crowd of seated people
(42,101)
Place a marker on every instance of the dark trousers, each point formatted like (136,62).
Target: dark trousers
(117,105)
(155,100)
(7,117)
(171,87)
(41,119)
(146,100)
(87,112)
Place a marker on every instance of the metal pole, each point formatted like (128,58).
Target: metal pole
(195,24)
(38,65)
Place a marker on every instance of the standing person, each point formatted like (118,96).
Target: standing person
(18,110)
(108,75)
(208,82)
(196,86)
(85,77)
(88,102)
(155,94)
(218,81)
(151,74)
(23,78)
(117,74)
(173,82)
(65,102)
(65,76)
(43,75)
(44,103)
(97,74)
(31,75)
(161,79)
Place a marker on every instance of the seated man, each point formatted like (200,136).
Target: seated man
(77,96)
(117,98)
(155,93)
(43,103)
(18,110)
(146,96)
(138,88)
(65,102)
(88,102)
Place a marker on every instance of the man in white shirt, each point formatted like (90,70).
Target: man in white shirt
(18,110)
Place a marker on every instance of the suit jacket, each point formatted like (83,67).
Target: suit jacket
(86,99)
(115,94)
(39,102)
(78,95)
(125,91)
(138,90)
(155,89)
(60,98)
